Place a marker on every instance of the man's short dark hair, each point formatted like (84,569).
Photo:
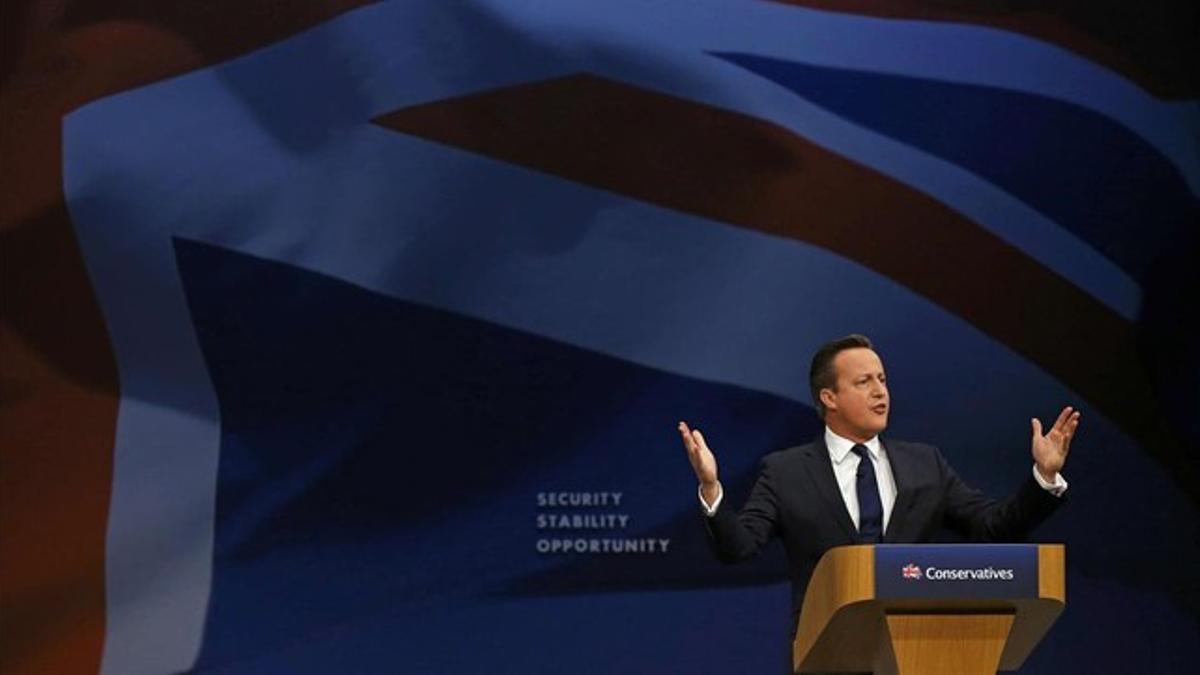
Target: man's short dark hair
(822,374)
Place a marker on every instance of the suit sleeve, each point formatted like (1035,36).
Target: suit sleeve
(982,519)
(740,535)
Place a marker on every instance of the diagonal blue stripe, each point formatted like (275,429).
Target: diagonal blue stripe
(1087,172)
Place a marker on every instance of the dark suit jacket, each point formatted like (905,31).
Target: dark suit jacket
(796,498)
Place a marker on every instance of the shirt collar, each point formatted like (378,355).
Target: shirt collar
(840,447)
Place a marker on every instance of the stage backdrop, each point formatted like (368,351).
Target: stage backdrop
(346,338)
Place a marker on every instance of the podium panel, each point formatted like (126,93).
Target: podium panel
(929,609)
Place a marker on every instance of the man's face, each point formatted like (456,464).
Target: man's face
(858,407)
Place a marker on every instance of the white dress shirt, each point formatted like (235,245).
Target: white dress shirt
(845,468)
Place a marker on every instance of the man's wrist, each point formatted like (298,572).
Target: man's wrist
(710,496)
(1055,485)
(1046,476)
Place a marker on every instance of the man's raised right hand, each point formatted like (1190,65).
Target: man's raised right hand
(704,463)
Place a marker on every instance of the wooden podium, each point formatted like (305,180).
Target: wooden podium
(928,609)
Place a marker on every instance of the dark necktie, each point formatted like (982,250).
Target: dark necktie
(870,509)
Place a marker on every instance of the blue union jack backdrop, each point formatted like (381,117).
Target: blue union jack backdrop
(357,343)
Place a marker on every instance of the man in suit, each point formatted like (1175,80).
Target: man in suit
(850,487)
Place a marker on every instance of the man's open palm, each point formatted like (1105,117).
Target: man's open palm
(704,463)
(1050,450)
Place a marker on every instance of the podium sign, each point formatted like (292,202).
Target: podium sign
(975,571)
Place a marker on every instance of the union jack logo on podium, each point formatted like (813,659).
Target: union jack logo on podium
(911,571)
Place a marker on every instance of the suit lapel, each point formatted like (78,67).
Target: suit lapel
(820,469)
(902,474)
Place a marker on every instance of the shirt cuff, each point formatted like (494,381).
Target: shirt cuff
(710,511)
(1057,488)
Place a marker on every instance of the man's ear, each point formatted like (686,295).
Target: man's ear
(828,399)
